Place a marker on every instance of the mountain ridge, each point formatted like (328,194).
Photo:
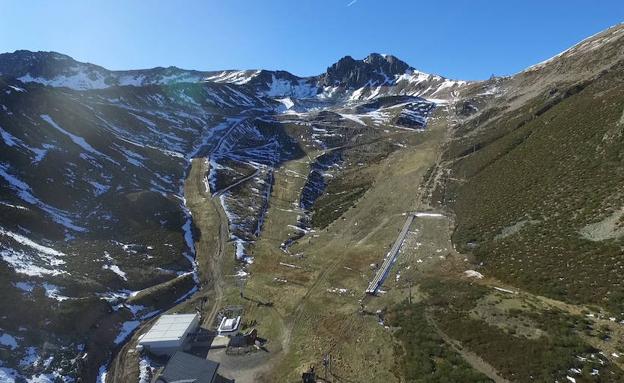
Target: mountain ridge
(348,77)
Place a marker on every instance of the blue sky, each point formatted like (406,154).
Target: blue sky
(458,39)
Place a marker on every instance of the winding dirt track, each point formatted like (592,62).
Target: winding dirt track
(210,236)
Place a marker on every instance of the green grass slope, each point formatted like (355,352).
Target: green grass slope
(539,175)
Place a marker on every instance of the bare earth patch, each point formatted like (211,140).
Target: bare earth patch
(609,228)
(515,228)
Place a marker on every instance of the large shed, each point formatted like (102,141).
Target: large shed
(169,333)
(183,367)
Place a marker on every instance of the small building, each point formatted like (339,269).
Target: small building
(244,343)
(309,376)
(244,340)
(169,333)
(183,367)
(229,326)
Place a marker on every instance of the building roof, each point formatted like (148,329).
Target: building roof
(229,324)
(187,367)
(238,341)
(169,327)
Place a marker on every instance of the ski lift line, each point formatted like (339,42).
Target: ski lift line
(383,272)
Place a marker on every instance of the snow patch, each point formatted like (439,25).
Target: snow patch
(9,341)
(115,269)
(126,329)
(473,274)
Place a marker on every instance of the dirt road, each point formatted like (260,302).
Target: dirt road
(210,236)
(470,357)
(210,224)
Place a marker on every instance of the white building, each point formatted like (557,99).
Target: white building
(229,326)
(169,333)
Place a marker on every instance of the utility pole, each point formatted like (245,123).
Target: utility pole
(327,365)
(241,285)
(330,365)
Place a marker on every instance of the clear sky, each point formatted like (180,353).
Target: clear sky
(458,39)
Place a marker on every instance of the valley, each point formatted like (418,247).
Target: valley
(127,195)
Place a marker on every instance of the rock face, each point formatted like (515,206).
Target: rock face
(374,70)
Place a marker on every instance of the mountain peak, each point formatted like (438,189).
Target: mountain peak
(375,69)
(383,59)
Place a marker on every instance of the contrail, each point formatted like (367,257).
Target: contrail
(352,2)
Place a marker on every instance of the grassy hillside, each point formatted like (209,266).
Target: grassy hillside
(532,183)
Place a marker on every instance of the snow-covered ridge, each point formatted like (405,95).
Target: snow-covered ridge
(410,83)
(383,74)
(79,79)
(58,70)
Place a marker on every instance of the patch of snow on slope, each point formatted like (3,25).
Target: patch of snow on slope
(78,81)
(17,89)
(352,117)
(188,239)
(43,262)
(413,77)
(27,242)
(75,139)
(102,373)
(279,87)
(287,102)
(8,340)
(12,141)
(145,370)
(25,193)
(25,264)
(126,329)
(425,214)
(25,286)
(238,77)
(53,292)
(176,79)
(18,207)
(30,358)
(129,80)
(448,84)
(8,375)
(115,269)
(473,274)
(9,139)
(98,188)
